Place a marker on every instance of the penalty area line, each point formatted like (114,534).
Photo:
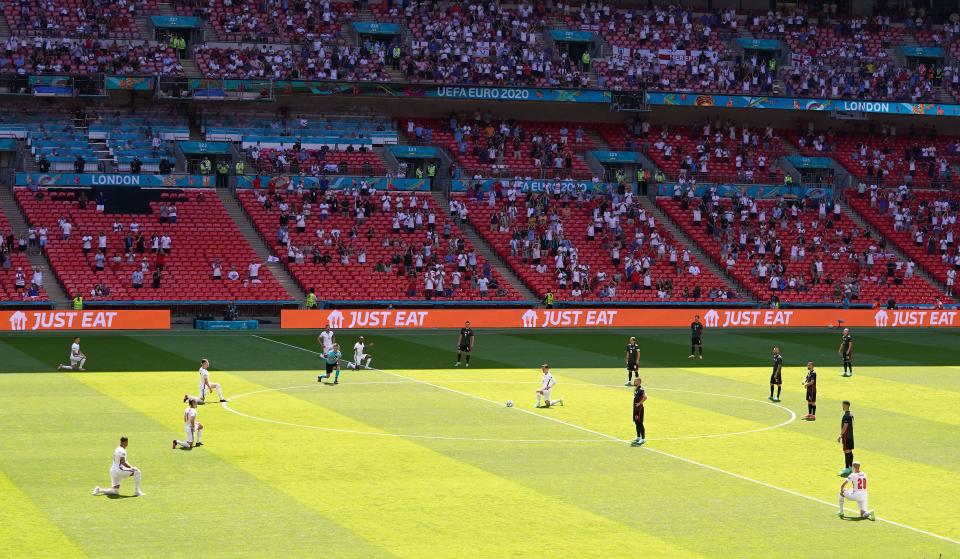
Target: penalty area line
(648,449)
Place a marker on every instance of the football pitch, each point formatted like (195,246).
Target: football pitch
(415,458)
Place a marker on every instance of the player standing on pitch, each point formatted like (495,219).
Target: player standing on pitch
(696,337)
(810,383)
(119,470)
(326,339)
(857,492)
(846,439)
(639,397)
(465,343)
(776,380)
(846,351)
(633,360)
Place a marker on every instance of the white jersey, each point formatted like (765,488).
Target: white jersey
(189,418)
(358,349)
(326,338)
(858,482)
(548,382)
(75,352)
(119,456)
(204,376)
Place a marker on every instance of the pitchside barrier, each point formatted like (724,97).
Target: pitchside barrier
(614,318)
(41,320)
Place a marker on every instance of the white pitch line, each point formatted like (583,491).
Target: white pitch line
(793,416)
(660,452)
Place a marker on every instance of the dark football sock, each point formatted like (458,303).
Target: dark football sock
(778,391)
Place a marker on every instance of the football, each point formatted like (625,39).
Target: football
(509,403)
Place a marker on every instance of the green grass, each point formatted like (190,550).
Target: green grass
(422,460)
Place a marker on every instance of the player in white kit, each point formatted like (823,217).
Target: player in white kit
(359,355)
(546,386)
(119,470)
(857,492)
(205,384)
(326,339)
(190,426)
(77,359)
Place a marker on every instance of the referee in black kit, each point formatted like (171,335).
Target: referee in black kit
(639,397)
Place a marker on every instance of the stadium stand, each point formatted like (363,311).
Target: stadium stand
(372,247)
(16,273)
(76,18)
(796,252)
(590,249)
(882,156)
(193,225)
(79,57)
(923,223)
(505,147)
(319,61)
(270,21)
(710,151)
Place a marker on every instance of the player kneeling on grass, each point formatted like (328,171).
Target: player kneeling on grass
(857,492)
(332,359)
(361,359)
(545,387)
(206,385)
(119,470)
(77,359)
(190,425)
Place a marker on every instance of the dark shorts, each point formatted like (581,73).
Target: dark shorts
(638,415)
(847,444)
(776,379)
(811,394)
(696,341)
(331,367)
(848,357)
(632,366)
(463,348)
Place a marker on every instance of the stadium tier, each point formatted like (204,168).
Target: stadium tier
(922,223)
(730,153)
(797,252)
(919,158)
(182,234)
(376,247)
(505,147)
(271,21)
(595,250)
(16,273)
(76,18)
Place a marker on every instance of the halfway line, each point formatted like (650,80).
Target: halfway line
(611,437)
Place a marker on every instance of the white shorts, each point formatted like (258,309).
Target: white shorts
(116,476)
(75,360)
(546,394)
(859,496)
(358,357)
(189,433)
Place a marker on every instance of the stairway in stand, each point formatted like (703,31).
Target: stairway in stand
(488,253)
(259,245)
(38,261)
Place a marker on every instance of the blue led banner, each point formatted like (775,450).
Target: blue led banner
(658,98)
(114,179)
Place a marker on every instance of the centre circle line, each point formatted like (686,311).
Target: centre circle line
(226,406)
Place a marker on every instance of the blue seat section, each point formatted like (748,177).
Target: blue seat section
(345,130)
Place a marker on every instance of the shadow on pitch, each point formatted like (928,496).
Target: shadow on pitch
(119,496)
